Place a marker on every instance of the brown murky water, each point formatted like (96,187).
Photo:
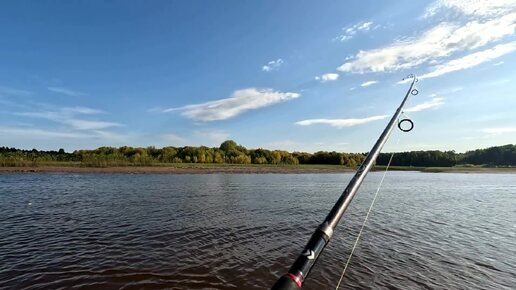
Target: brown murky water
(242,231)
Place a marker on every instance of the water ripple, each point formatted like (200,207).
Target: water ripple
(223,231)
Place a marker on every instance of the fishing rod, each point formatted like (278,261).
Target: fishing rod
(306,260)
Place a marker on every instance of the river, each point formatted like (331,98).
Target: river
(242,231)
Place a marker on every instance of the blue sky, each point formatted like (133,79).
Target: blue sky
(293,75)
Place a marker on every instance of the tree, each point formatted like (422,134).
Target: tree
(228,146)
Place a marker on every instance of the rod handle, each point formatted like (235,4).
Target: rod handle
(285,283)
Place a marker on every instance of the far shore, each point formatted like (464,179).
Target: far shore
(239,169)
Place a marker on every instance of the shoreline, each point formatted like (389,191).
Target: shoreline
(173,170)
(240,169)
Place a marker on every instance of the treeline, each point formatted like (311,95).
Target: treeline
(492,156)
(432,158)
(230,152)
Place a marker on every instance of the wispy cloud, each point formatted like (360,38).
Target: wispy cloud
(239,102)
(173,139)
(481,8)
(471,60)
(65,91)
(282,145)
(449,91)
(327,77)
(433,103)
(272,65)
(90,125)
(79,138)
(499,131)
(14,92)
(341,123)
(349,31)
(498,63)
(215,137)
(39,133)
(81,110)
(68,116)
(368,83)
(434,44)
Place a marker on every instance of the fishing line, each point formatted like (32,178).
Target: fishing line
(366,218)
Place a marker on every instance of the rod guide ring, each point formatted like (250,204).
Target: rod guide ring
(404,121)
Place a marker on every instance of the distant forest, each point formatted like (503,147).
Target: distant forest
(230,152)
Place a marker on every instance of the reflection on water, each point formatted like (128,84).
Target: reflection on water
(242,231)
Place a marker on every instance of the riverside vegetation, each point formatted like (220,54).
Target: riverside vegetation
(230,152)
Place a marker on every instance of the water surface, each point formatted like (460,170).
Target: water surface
(242,231)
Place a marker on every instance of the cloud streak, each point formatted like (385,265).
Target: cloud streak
(434,44)
(174,139)
(482,8)
(340,123)
(239,102)
(272,65)
(65,91)
(350,31)
(14,92)
(471,60)
(500,131)
(68,116)
(90,125)
(38,133)
(327,77)
(368,83)
(215,136)
(433,103)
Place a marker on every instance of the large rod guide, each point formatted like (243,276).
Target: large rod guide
(301,268)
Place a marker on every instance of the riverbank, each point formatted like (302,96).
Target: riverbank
(193,168)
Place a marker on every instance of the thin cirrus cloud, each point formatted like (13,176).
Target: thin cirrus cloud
(65,91)
(499,131)
(434,44)
(272,65)
(471,7)
(14,92)
(327,77)
(81,110)
(212,136)
(349,31)
(19,133)
(239,102)
(90,125)
(39,133)
(433,103)
(368,83)
(341,123)
(174,139)
(471,60)
(207,137)
(68,116)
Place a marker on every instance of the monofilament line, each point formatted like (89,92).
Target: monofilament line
(365,221)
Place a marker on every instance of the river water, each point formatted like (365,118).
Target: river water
(242,231)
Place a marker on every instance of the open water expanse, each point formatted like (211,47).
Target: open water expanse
(242,231)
